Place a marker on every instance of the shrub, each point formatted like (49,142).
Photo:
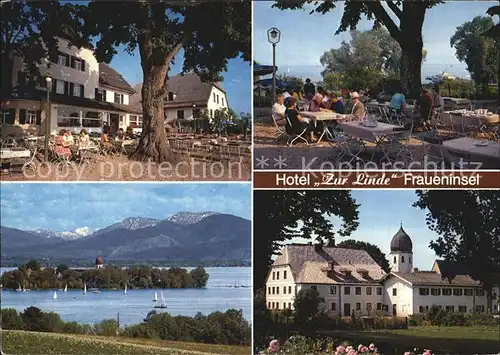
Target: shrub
(10,319)
(51,322)
(107,327)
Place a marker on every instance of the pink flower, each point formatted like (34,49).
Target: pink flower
(352,352)
(360,346)
(364,349)
(407,353)
(341,349)
(349,348)
(372,346)
(427,352)
(274,346)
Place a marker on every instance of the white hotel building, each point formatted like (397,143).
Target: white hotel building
(84,94)
(350,281)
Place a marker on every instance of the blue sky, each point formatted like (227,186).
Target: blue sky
(237,78)
(380,215)
(64,207)
(304,37)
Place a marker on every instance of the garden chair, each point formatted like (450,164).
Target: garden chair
(294,136)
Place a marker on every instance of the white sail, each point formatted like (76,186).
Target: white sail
(54,296)
(84,288)
(125,291)
(19,289)
(156,297)
(163,303)
(66,288)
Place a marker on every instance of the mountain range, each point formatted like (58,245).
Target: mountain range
(184,236)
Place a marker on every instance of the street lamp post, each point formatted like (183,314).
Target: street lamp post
(194,120)
(273,36)
(48,79)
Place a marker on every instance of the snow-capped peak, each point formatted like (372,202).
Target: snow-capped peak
(66,235)
(185,218)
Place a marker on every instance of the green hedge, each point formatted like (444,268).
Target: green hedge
(440,317)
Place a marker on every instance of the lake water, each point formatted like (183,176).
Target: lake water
(219,295)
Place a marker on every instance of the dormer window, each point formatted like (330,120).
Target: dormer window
(363,273)
(171,96)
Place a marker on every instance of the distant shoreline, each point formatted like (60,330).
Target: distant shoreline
(153,264)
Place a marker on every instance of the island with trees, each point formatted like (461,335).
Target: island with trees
(33,276)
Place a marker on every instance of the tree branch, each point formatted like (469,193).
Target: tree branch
(397,11)
(169,58)
(378,10)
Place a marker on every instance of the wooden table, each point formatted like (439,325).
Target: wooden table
(471,147)
(325,116)
(14,153)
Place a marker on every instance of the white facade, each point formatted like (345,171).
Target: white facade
(186,111)
(75,72)
(402,292)
(401,261)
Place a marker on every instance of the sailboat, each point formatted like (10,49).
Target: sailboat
(19,289)
(156,297)
(54,296)
(125,291)
(66,288)
(84,288)
(163,303)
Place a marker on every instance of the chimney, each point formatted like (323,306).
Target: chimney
(415,269)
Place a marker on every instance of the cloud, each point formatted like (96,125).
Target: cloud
(68,206)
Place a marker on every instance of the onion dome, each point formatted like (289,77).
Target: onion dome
(99,260)
(401,242)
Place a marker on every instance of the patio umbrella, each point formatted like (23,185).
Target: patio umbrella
(259,70)
(268,83)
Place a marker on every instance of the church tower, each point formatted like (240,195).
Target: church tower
(401,256)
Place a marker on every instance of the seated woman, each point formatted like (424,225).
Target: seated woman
(68,137)
(297,94)
(336,104)
(106,144)
(84,138)
(317,104)
(295,123)
(62,145)
(120,134)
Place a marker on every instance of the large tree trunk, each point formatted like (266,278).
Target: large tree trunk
(411,43)
(153,144)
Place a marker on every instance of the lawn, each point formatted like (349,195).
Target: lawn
(26,343)
(442,340)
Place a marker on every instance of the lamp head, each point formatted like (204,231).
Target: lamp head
(48,79)
(273,35)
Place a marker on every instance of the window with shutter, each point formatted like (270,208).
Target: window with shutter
(66,88)
(82,90)
(22,116)
(31,117)
(72,88)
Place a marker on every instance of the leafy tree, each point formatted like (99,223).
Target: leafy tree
(364,61)
(32,318)
(468,225)
(373,250)
(282,215)
(200,277)
(10,319)
(306,304)
(480,53)
(408,33)
(494,33)
(221,117)
(209,33)
(33,265)
(25,27)
(62,268)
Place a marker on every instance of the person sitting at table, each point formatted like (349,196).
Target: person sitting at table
(336,103)
(437,100)
(297,94)
(317,104)
(309,89)
(84,138)
(358,109)
(287,93)
(62,145)
(106,144)
(424,104)
(295,123)
(120,134)
(68,137)
(398,101)
(278,110)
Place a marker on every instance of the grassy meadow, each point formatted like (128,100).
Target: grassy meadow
(30,343)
